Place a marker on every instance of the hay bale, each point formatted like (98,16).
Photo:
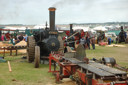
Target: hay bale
(4,44)
(21,43)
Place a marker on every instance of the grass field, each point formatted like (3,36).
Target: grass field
(24,73)
(119,53)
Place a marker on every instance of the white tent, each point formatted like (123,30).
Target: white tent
(81,28)
(100,28)
(63,28)
(40,26)
(11,28)
(21,28)
(92,30)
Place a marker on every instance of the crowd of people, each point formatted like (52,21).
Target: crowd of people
(86,41)
(13,39)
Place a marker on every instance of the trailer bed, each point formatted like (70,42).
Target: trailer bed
(97,68)
(107,68)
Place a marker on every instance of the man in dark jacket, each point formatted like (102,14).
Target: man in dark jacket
(21,37)
(88,42)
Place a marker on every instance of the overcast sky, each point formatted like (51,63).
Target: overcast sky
(68,11)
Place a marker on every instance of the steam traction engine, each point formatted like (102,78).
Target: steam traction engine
(43,42)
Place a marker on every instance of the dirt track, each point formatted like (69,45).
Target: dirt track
(64,82)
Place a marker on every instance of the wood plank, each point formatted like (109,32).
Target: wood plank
(107,68)
(95,70)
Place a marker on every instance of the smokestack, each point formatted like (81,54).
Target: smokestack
(71,30)
(52,18)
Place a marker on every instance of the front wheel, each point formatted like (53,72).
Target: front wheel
(37,57)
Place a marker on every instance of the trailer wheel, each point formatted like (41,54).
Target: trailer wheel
(37,57)
(30,48)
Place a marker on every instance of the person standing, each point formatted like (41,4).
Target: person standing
(109,41)
(117,39)
(12,40)
(25,37)
(21,37)
(2,37)
(8,36)
(88,42)
(93,42)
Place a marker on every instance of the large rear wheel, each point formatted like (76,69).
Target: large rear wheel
(30,48)
(37,57)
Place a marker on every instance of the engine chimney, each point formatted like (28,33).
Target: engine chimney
(52,18)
